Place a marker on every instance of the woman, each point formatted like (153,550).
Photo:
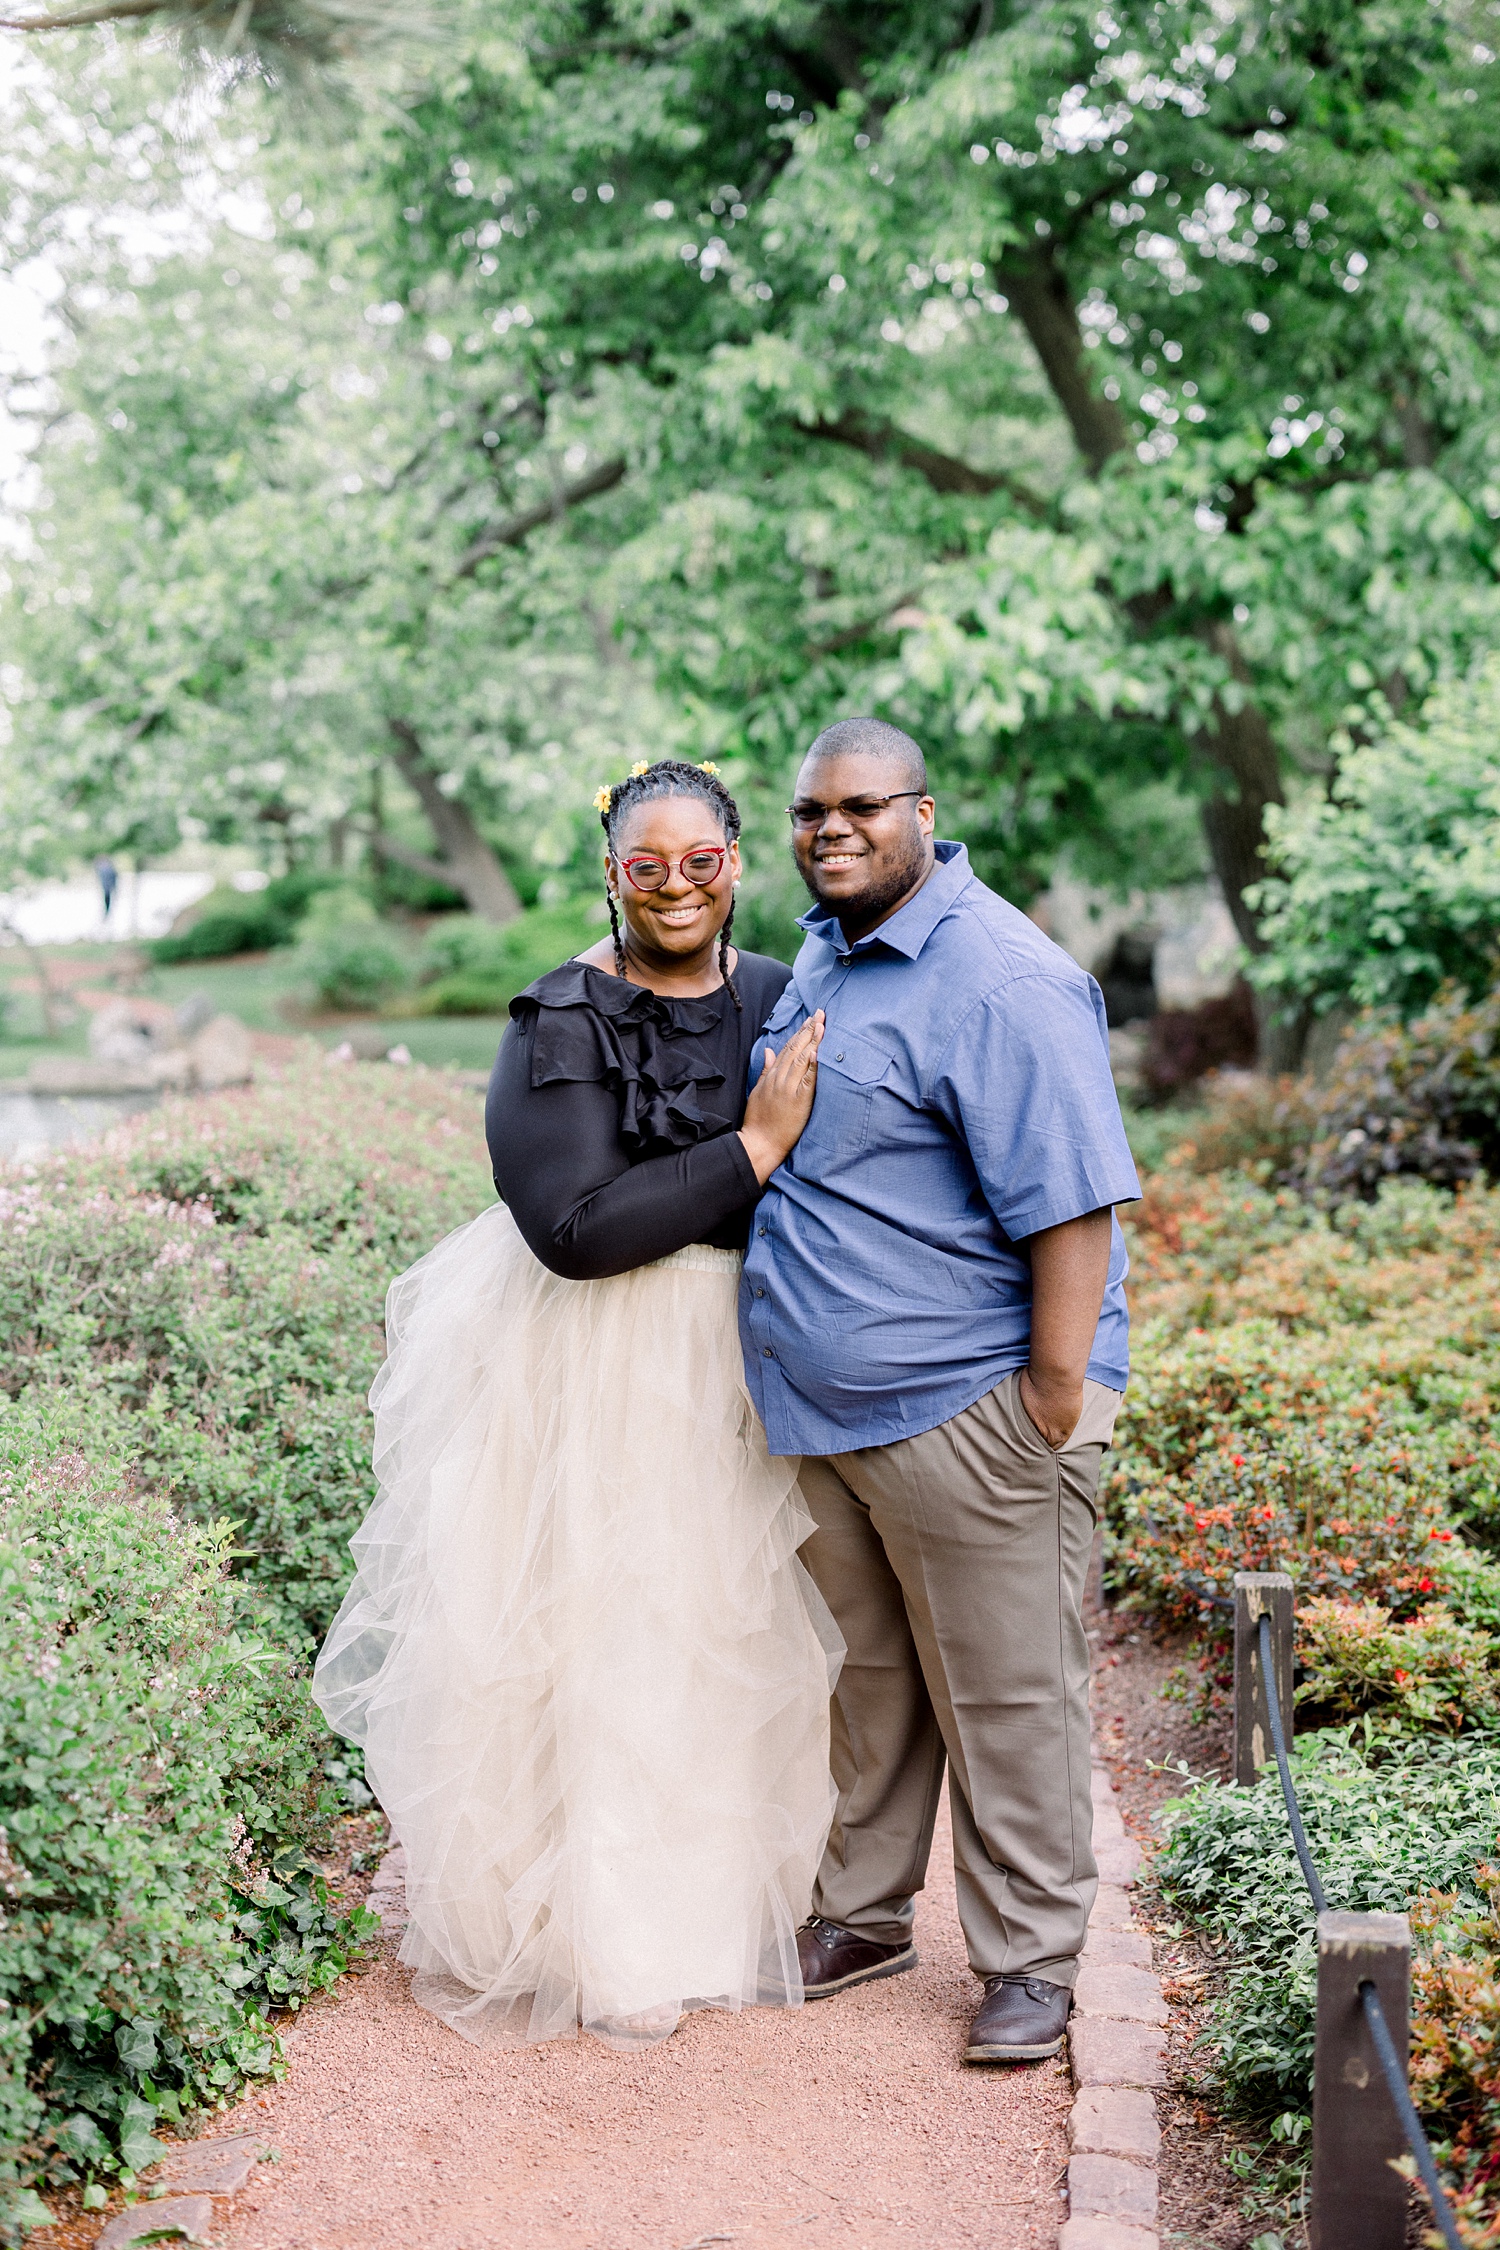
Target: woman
(590,1675)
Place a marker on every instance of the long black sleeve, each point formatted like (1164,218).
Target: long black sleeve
(584,1209)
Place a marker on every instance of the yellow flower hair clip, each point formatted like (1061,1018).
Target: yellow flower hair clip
(708,767)
(602,796)
(642,766)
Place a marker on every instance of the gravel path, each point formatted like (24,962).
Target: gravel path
(851,2123)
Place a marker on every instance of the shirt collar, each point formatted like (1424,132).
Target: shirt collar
(908,931)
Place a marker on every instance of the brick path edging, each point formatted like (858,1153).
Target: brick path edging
(1117,2047)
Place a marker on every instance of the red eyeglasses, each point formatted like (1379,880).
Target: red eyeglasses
(648,873)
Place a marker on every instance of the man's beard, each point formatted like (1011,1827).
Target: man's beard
(896,877)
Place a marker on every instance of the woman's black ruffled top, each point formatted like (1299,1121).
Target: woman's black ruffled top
(613,1117)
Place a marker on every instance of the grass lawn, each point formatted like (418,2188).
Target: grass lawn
(259,988)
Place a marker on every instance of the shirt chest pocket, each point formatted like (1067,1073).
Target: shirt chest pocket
(850,1069)
(784,1018)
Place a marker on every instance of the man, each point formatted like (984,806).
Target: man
(108,877)
(933,1315)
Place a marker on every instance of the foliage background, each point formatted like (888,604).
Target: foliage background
(1106,395)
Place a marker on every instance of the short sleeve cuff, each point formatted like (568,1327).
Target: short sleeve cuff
(1073,1202)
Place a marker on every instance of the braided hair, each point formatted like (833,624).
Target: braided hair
(670,777)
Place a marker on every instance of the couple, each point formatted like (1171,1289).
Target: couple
(734,1402)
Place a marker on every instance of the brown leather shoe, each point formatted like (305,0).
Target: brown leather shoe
(1020,2019)
(834,1958)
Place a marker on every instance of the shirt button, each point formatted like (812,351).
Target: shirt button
(760,1230)
(760,1292)
(839,1056)
(766,1352)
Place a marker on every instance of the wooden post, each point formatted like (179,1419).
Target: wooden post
(1358,2202)
(1259,1593)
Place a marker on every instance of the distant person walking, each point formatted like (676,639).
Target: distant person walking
(109,880)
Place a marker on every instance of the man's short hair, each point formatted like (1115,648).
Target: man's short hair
(874,738)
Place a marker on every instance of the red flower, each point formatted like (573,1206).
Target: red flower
(1239,1460)
(1424,1585)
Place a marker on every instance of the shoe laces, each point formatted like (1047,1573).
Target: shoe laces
(1035,1988)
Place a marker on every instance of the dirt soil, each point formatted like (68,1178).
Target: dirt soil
(852,2122)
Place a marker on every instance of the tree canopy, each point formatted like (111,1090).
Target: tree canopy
(1104,394)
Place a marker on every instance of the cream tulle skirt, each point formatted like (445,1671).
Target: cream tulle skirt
(590,1675)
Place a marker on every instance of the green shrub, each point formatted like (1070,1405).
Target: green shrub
(160,1786)
(1429,1670)
(1455,2044)
(1316,1389)
(205,1298)
(408,891)
(1420,1099)
(476,968)
(230,921)
(189,1319)
(537,940)
(1421,1816)
(461,994)
(1349,1513)
(1368,1333)
(1391,888)
(346,955)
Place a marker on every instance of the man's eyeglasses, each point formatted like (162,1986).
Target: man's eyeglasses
(808,813)
(648,873)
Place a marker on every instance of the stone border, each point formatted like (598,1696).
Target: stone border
(1117,2046)
(192,2173)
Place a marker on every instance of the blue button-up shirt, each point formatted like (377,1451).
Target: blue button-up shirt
(964,1102)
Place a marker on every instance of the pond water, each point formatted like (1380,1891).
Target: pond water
(33,1124)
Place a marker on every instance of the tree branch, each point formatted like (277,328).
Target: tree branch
(1041,300)
(107,11)
(419,862)
(514,529)
(883,441)
(470,864)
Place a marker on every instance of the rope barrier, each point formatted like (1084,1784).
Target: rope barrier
(1380,2031)
(1310,1874)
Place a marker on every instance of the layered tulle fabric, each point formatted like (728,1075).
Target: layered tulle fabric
(589,1673)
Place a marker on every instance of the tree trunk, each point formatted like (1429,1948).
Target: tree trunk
(1043,303)
(1239,744)
(1242,748)
(468,862)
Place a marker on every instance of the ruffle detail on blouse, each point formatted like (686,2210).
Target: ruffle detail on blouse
(599,1030)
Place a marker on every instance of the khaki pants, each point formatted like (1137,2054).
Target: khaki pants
(954,1563)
